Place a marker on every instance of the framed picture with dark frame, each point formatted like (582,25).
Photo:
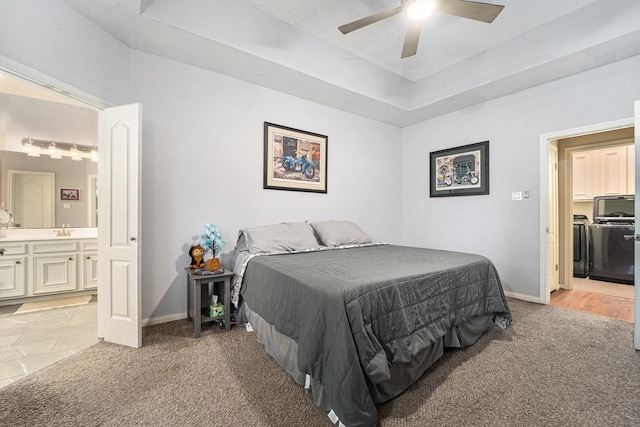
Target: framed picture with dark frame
(294,159)
(460,171)
(69,194)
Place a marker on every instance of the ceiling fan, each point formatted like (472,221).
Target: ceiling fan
(418,10)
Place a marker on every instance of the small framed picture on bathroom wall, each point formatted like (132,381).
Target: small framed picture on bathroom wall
(69,194)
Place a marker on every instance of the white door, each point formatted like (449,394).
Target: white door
(32,198)
(553,218)
(636,295)
(119,316)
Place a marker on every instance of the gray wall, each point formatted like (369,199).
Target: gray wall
(202,161)
(506,231)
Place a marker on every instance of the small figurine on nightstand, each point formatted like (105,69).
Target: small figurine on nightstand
(196,252)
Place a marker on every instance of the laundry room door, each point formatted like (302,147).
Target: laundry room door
(636,261)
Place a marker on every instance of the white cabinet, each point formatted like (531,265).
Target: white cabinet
(12,270)
(90,271)
(602,172)
(582,162)
(12,280)
(611,178)
(54,266)
(40,268)
(631,167)
(54,273)
(89,275)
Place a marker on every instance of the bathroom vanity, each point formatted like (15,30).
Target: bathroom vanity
(38,264)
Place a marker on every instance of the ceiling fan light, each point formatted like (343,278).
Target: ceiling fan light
(421,9)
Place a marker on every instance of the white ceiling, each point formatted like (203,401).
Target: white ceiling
(295,47)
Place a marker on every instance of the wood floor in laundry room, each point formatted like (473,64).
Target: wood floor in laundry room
(596,297)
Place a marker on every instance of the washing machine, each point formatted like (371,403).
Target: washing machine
(580,246)
(611,244)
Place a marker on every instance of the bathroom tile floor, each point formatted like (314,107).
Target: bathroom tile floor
(32,341)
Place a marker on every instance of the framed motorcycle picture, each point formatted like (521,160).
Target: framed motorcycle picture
(294,159)
(460,171)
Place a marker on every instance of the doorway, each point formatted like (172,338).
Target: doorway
(93,200)
(64,324)
(31,198)
(119,249)
(118,130)
(607,138)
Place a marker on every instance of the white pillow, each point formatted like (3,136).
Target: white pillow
(337,233)
(283,237)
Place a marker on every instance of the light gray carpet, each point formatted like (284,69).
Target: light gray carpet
(551,367)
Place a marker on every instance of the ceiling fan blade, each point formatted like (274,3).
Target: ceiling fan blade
(477,11)
(411,39)
(356,25)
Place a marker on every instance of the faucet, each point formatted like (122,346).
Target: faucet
(65,231)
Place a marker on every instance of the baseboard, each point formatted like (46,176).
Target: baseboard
(182,316)
(523,297)
(164,319)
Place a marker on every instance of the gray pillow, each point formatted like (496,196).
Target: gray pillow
(337,233)
(284,237)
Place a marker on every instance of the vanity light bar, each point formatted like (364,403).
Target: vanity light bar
(35,147)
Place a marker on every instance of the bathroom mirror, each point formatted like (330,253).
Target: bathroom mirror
(42,192)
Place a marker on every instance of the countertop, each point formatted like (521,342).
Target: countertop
(21,235)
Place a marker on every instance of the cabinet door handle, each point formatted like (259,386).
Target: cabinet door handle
(18,262)
(88,257)
(1,251)
(70,259)
(133,239)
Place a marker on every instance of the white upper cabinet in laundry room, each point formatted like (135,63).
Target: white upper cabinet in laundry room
(601,172)
(631,166)
(582,163)
(612,177)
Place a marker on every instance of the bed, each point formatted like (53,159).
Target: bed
(355,320)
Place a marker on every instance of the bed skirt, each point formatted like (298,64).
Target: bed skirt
(284,350)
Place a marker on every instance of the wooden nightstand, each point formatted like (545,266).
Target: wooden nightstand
(194,298)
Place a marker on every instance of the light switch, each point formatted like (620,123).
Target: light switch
(516,195)
(66,206)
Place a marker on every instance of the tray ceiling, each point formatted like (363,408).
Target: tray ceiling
(295,47)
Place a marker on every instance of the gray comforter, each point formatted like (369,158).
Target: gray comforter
(354,312)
